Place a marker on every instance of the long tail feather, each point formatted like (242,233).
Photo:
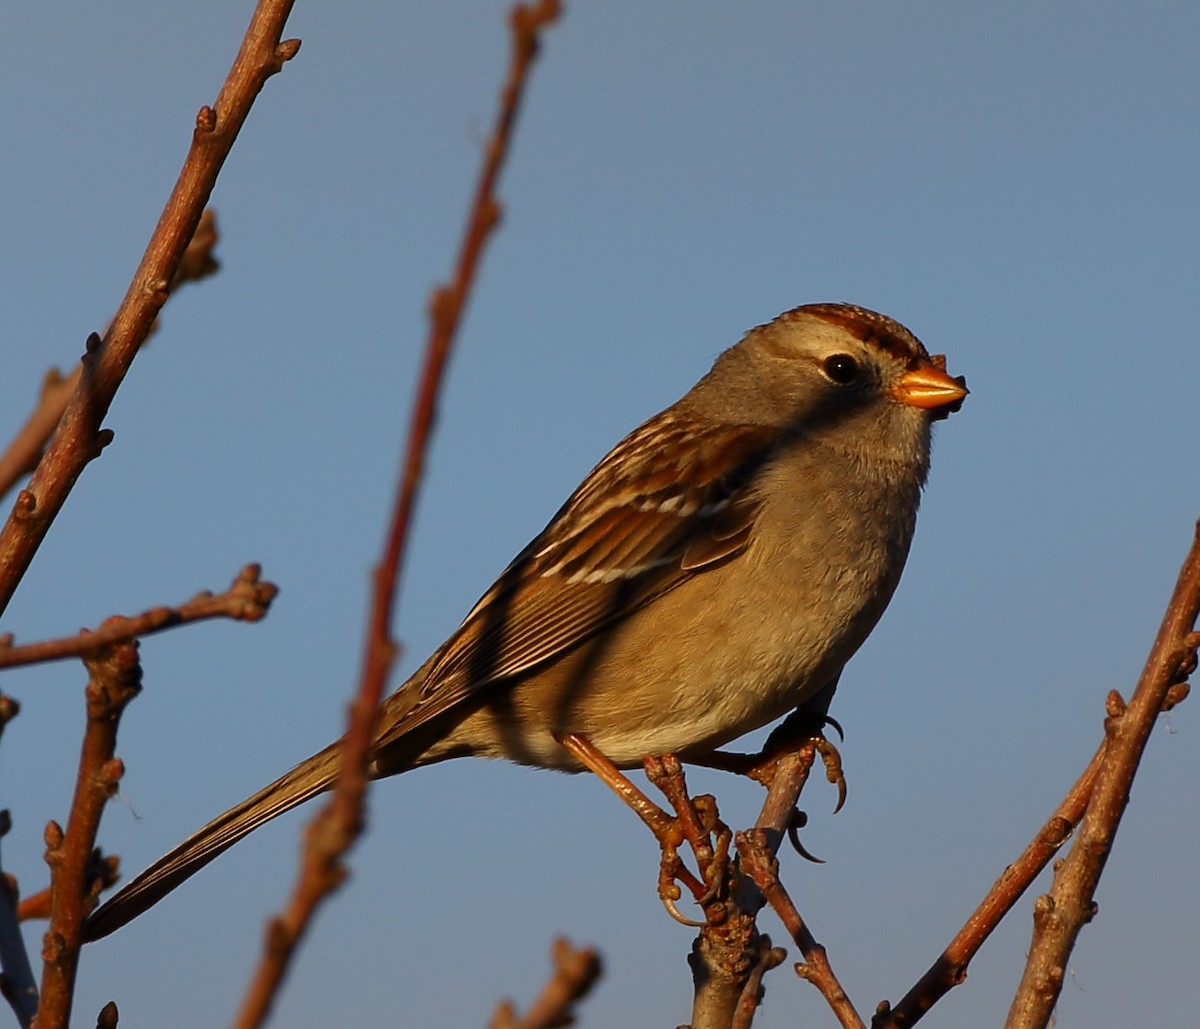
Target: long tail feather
(306,780)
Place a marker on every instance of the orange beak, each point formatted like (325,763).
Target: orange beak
(928,386)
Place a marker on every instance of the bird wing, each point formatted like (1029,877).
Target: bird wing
(669,501)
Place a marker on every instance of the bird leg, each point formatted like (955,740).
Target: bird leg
(695,821)
(590,756)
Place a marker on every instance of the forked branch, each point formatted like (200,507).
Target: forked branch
(79,438)
(23,453)
(1060,914)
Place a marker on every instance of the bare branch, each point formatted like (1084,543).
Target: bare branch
(16,981)
(336,826)
(950,969)
(115,679)
(103,872)
(247,600)
(1060,914)
(759,862)
(79,437)
(725,956)
(769,957)
(26,448)
(575,973)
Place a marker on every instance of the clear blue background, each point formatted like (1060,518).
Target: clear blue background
(1016,182)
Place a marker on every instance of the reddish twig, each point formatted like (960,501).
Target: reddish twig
(26,448)
(950,969)
(759,862)
(79,437)
(27,445)
(1060,914)
(37,905)
(114,679)
(337,824)
(103,871)
(730,956)
(575,973)
(246,600)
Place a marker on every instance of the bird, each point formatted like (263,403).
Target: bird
(714,571)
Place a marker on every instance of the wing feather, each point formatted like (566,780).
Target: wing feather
(667,502)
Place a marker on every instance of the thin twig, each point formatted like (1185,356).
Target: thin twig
(79,437)
(950,969)
(103,872)
(1060,914)
(28,444)
(339,822)
(752,995)
(16,981)
(575,973)
(760,864)
(115,676)
(246,600)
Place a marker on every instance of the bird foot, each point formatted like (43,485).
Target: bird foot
(695,822)
(802,734)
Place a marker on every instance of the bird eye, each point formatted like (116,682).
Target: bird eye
(840,368)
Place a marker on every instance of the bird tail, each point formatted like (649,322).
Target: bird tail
(303,782)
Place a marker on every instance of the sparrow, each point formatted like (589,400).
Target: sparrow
(714,571)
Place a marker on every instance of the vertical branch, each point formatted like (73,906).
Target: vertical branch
(1060,914)
(115,677)
(339,822)
(79,438)
(16,980)
(727,953)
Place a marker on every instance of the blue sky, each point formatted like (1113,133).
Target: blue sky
(1016,183)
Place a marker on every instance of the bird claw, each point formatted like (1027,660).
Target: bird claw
(831,758)
(798,821)
(678,915)
(837,727)
(800,730)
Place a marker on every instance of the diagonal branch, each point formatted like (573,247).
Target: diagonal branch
(27,446)
(728,955)
(1061,914)
(335,827)
(79,438)
(760,864)
(950,969)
